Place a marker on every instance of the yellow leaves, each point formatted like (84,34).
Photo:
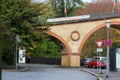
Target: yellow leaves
(28,54)
(118,31)
(31,48)
(35,46)
(116,40)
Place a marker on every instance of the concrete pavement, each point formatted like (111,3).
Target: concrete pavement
(46,72)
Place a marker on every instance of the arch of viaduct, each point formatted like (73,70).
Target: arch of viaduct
(74,35)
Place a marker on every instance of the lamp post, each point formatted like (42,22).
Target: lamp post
(108,48)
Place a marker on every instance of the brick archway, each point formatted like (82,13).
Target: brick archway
(61,39)
(62,31)
(92,31)
(64,61)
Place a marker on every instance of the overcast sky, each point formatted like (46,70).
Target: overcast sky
(43,0)
(86,0)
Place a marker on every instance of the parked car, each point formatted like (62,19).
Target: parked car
(104,59)
(96,63)
(85,61)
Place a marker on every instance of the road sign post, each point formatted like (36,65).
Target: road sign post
(99,43)
(99,50)
(108,42)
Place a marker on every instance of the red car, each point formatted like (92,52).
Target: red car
(95,64)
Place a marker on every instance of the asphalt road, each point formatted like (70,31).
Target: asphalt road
(46,72)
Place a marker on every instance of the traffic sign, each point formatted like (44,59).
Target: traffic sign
(108,42)
(99,43)
(99,50)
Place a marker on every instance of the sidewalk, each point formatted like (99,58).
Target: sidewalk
(114,75)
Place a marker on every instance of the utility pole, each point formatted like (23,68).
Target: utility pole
(108,49)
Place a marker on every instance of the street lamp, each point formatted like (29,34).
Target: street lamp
(108,48)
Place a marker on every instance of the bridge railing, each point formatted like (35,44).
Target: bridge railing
(83,18)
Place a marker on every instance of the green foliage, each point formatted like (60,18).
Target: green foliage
(71,5)
(7,42)
(115,45)
(19,17)
(58,7)
(46,47)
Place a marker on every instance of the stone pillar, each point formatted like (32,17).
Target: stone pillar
(70,60)
(75,60)
(65,60)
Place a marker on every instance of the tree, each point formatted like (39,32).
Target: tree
(45,46)
(20,17)
(71,5)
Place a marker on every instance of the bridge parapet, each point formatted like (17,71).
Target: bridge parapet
(84,18)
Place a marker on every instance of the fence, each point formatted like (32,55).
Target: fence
(42,60)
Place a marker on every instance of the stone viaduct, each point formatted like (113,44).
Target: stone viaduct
(74,33)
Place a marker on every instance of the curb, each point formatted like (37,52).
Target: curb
(22,69)
(94,74)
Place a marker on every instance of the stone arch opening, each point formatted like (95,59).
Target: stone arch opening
(65,49)
(113,23)
(68,49)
